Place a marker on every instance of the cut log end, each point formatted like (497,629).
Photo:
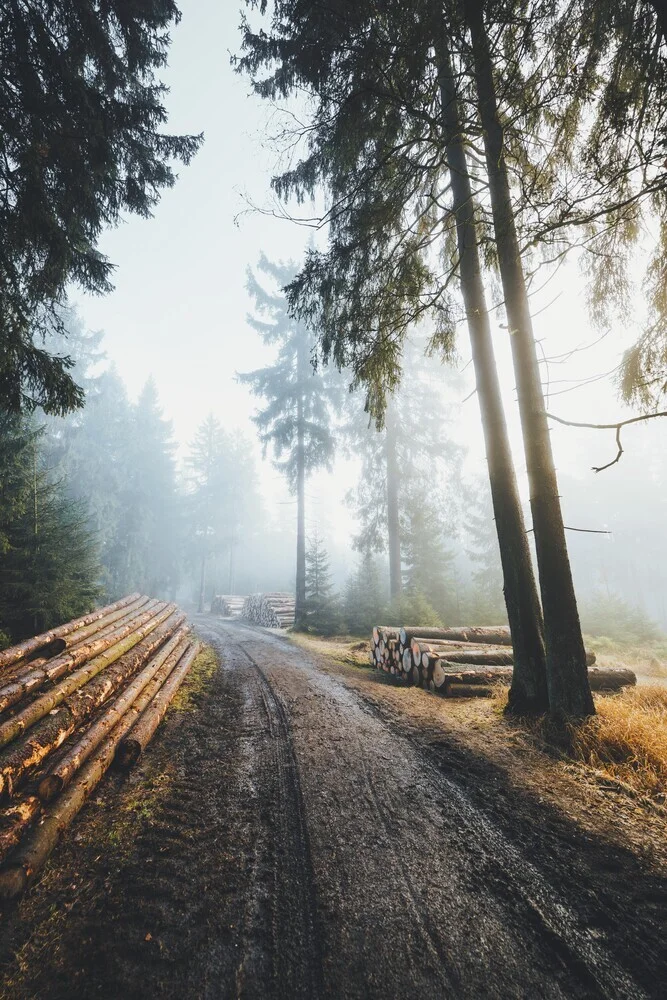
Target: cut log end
(49,787)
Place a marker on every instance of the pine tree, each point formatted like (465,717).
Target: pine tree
(50,571)
(146,546)
(414,450)
(387,140)
(296,420)
(81,143)
(206,470)
(322,611)
(486,601)
(365,599)
(426,556)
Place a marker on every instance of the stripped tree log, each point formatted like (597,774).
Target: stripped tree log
(38,642)
(138,738)
(34,850)
(495,635)
(35,675)
(15,821)
(24,756)
(62,773)
(41,706)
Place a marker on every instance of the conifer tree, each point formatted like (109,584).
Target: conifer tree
(387,141)
(81,111)
(365,598)
(206,475)
(146,548)
(486,603)
(50,571)
(296,422)
(322,612)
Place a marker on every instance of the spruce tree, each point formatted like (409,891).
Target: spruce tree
(146,547)
(322,612)
(207,479)
(387,140)
(81,142)
(365,599)
(50,570)
(296,422)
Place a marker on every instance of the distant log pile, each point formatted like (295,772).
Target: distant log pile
(462,662)
(270,610)
(228,605)
(71,700)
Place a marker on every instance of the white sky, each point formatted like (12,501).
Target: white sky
(179,308)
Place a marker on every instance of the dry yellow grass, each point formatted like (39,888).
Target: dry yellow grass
(626,741)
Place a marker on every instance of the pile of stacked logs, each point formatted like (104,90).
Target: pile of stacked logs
(270,610)
(462,662)
(228,605)
(72,700)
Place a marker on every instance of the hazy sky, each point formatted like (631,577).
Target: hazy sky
(179,308)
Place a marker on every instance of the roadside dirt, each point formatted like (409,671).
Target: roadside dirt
(305,830)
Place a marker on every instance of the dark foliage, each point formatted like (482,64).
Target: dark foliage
(81,113)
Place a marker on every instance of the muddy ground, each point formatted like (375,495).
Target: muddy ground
(301,829)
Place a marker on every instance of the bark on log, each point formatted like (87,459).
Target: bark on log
(29,646)
(36,848)
(136,741)
(61,775)
(601,679)
(495,635)
(34,677)
(15,821)
(23,757)
(41,706)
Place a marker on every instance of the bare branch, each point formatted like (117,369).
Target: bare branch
(609,427)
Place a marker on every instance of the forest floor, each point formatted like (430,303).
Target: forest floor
(299,828)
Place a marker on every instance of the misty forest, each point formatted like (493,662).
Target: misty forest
(333,499)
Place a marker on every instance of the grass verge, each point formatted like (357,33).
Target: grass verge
(625,742)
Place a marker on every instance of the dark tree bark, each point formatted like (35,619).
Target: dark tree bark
(567,677)
(529,689)
(393,524)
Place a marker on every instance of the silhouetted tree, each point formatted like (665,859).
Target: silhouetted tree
(296,421)
(81,112)
(50,571)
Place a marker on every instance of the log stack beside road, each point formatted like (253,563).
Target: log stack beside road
(228,605)
(71,700)
(462,661)
(270,610)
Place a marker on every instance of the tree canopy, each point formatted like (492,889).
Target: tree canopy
(81,141)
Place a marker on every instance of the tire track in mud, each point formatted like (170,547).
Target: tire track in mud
(296,938)
(449,978)
(504,871)
(169,924)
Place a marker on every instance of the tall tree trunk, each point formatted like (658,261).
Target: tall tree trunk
(528,692)
(232,582)
(202,583)
(567,676)
(300,604)
(393,524)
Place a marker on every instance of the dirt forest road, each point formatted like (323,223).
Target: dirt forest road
(314,845)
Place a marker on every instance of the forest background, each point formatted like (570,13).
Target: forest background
(176,334)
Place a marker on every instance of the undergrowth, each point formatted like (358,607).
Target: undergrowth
(196,682)
(626,741)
